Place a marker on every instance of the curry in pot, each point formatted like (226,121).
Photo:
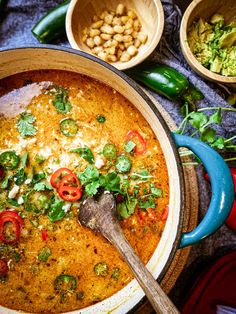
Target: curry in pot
(63,137)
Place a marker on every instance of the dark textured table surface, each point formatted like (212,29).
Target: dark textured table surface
(15,24)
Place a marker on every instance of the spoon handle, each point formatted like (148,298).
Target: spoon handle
(159,300)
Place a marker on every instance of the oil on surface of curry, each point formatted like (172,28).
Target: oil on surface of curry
(64,136)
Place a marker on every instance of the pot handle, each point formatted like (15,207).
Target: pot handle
(222,189)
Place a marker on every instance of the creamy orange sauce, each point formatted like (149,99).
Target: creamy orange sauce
(75,250)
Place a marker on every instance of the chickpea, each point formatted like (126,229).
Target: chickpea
(112,58)
(107,29)
(119,29)
(94,32)
(118,37)
(97,24)
(132,50)
(98,40)
(131,14)
(142,37)
(105,36)
(108,19)
(90,42)
(120,9)
(125,57)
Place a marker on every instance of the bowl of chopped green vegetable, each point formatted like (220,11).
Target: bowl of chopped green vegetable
(208,39)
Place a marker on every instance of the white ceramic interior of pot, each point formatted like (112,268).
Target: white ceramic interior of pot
(25,59)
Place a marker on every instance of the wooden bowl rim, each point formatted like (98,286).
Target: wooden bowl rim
(142,55)
(189,56)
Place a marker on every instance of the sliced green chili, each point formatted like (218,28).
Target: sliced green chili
(109,151)
(68,127)
(9,160)
(65,283)
(123,164)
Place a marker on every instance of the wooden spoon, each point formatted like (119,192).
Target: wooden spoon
(100,216)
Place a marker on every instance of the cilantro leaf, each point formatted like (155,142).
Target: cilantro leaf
(216,117)
(143,175)
(20,176)
(39,159)
(38,176)
(198,119)
(13,202)
(110,182)
(25,124)
(85,152)
(155,191)
(61,102)
(129,146)
(126,209)
(56,211)
(150,203)
(42,186)
(208,135)
(219,143)
(92,188)
(90,174)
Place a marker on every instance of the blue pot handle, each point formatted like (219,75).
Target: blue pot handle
(222,189)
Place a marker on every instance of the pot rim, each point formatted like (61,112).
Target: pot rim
(157,113)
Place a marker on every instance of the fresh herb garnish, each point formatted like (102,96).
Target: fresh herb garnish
(149,203)
(38,177)
(20,176)
(61,102)
(25,124)
(155,191)
(13,202)
(44,254)
(42,186)
(201,122)
(56,211)
(85,152)
(92,180)
(143,175)
(39,159)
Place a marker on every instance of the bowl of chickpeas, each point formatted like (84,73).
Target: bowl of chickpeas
(121,33)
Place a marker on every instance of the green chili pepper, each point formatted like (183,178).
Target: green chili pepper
(100,118)
(52,25)
(68,127)
(109,151)
(165,80)
(65,283)
(123,164)
(44,254)
(9,160)
(101,269)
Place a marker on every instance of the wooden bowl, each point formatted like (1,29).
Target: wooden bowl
(150,13)
(205,9)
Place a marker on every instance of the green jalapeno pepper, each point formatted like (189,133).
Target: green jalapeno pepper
(9,160)
(52,25)
(166,81)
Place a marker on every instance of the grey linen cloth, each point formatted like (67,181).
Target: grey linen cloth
(16,22)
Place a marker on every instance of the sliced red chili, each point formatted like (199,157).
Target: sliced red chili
(3,267)
(58,175)
(70,180)
(70,193)
(12,214)
(9,230)
(141,144)
(165,213)
(44,234)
